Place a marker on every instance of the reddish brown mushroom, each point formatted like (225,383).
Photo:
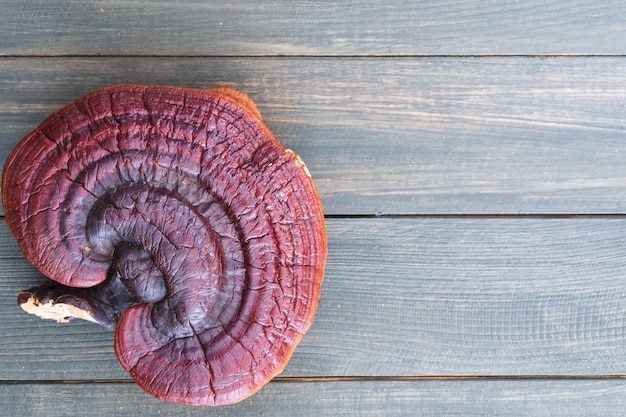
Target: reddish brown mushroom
(174,216)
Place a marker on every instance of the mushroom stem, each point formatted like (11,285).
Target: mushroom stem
(102,304)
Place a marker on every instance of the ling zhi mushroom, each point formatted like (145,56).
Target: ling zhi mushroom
(176,218)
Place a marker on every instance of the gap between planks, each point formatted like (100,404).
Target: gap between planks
(312,56)
(346,378)
(469,216)
(494,216)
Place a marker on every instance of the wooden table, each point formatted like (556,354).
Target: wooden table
(471,158)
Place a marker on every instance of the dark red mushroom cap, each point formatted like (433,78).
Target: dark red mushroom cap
(185,197)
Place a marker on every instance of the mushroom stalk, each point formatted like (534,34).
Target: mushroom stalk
(102,304)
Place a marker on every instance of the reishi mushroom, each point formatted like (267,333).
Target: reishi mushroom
(176,218)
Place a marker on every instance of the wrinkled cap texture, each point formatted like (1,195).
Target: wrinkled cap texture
(210,223)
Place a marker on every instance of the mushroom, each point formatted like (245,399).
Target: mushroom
(176,218)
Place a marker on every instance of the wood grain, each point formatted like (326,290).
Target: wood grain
(464,108)
(406,297)
(556,398)
(283,27)
(396,136)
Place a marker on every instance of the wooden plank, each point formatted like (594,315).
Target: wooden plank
(406,297)
(338,398)
(282,27)
(449,135)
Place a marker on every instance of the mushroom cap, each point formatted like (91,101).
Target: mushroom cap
(213,226)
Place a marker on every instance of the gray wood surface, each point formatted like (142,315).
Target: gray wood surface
(502,397)
(432,130)
(445,135)
(406,297)
(279,27)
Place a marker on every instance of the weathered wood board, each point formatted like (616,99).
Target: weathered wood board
(501,397)
(407,297)
(329,28)
(396,136)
